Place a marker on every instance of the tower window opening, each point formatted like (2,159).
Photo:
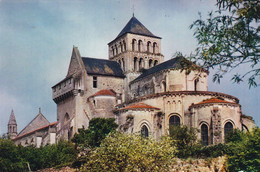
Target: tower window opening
(133,44)
(150,63)
(148,46)
(121,47)
(124,45)
(154,47)
(155,62)
(139,45)
(135,64)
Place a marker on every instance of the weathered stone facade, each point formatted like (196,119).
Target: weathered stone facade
(143,93)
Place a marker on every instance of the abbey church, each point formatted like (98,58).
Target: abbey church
(144,93)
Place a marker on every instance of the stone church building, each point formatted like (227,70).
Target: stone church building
(144,93)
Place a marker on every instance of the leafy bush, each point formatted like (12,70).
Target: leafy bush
(244,151)
(98,129)
(185,139)
(19,158)
(124,152)
(10,159)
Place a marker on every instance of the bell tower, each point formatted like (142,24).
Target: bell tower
(135,48)
(12,126)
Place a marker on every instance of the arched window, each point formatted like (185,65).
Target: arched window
(135,64)
(150,63)
(144,131)
(124,45)
(148,46)
(139,45)
(204,134)
(228,128)
(154,47)
(141,61)
(155,62)
(116,50)
(163,86)
(133,44)
(174,120)
(113,50)
(121,47)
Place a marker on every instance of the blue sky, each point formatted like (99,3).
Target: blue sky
(36,40)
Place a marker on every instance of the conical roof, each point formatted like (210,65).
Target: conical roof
(136,27)
(12,120)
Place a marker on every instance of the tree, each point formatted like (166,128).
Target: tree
(130,152)
(230,38)
(185,139)
(98,129)
(244,151)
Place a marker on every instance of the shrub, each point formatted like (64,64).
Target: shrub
(98,129)
(124,152)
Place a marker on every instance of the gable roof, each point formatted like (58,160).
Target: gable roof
(102,67)
(38,129)
(136,27)
(38,122)
(139,106)
(175,63)
(12,120)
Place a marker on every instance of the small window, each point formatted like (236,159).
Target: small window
(59,86)
(54,89)
(69,81)
(94,82)
(65,84)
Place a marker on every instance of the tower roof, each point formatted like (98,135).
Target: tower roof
(136,27)
(12,120)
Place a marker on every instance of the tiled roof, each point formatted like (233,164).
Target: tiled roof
(105,93)
(139,106)
(12,120)
(136,27)
(102,67)
(35,130)
(175,63)
(213,100)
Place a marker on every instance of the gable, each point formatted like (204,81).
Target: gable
(38,122)
(75,62)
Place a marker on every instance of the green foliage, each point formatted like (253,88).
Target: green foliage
(185,139)
(98,129)
(17,158)
(230,38)
(244,151)
(124,152)
(10,159)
